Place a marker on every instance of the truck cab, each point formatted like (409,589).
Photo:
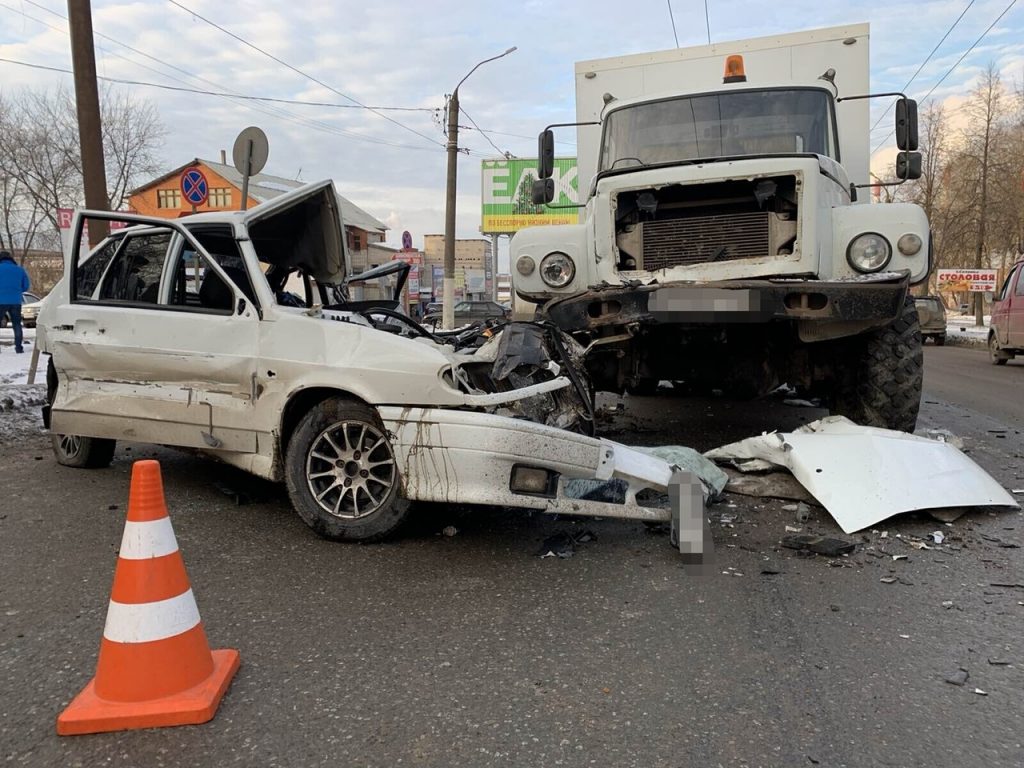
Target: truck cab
(725,244)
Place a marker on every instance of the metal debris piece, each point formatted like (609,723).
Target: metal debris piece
(819,545)
(959,677)
(888,579)
(833,457)
(937,537)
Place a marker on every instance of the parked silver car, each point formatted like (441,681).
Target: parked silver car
(931,316)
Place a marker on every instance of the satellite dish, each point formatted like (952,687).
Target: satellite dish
(251,142)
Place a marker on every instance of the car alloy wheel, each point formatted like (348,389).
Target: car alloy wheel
(350,469)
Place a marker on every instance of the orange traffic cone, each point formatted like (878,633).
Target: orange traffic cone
(155,667)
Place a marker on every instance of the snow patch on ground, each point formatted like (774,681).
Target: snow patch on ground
(20,401)
(960,329)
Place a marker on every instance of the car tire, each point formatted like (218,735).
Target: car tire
(940,341)
(74,450)
(885,375)
(83,452)
(342,475)
(997,357)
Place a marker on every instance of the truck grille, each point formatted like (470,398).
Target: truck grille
(699,239)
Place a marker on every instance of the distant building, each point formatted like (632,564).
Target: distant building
(472,255)
(162,197)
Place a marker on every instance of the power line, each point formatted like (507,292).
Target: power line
(223,94)
(673,18)
(499,150)
(950,70)
(269,110)
(927,59)
(295,69)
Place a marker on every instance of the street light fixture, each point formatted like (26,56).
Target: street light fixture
(448,311)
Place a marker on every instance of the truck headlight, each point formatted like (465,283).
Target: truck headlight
(909,244)
(557,269)
(869,252)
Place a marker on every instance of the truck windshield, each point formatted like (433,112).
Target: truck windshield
(719,125)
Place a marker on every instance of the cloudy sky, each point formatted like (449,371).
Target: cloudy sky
(390,53)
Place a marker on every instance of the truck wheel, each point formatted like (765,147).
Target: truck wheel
(883,384)
(940,340)
(341,473)
(997,356)
(75,450)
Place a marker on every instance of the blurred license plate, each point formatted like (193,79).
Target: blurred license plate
(703,301)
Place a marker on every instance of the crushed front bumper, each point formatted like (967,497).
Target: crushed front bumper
(871,300)
(463,457)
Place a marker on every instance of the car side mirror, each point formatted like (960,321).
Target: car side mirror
(906,125)
(543,191)
(240,310)
(908,165)
(546,154)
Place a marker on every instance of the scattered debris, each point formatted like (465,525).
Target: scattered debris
(899,557)
(888,579)
(832,457)
(959,677)
(793,529)
(947,604)
(819,545)
(797,402)
(948,515)
(773,485)
(980,692)
(450,530)
(945,436)
(998,663)
(563,545)
(1006,584)
(937,537)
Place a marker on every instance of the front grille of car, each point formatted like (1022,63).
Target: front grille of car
(700,239)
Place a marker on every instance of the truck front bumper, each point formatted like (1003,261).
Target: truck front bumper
(872,300)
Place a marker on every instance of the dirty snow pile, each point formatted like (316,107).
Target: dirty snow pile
(19,401)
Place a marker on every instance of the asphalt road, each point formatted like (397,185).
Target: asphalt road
(472,651)
(964,376)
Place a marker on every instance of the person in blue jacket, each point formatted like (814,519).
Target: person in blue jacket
(13,282)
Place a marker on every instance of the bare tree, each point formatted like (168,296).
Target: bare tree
(40,162)
(984,111)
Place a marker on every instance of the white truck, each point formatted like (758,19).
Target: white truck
(726,241)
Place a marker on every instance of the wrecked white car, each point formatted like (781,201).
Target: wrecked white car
(185,333)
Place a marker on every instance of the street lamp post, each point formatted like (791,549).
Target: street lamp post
(448,312)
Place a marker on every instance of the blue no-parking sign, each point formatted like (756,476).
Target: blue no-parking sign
(194,187)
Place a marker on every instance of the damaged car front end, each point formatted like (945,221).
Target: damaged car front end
(233,334)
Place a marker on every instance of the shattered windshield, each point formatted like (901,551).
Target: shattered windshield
(765,122)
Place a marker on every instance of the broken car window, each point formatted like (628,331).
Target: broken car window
(91,269)
(134,273)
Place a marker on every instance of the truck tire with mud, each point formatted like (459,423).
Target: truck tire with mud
(882,375)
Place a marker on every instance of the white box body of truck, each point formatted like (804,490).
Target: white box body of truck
(724,243)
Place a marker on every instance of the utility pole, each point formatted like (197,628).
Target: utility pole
(87,102)
(448,309)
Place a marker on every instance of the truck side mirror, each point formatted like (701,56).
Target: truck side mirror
(546,154)
(906,124)
(543,191)
(908,165)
